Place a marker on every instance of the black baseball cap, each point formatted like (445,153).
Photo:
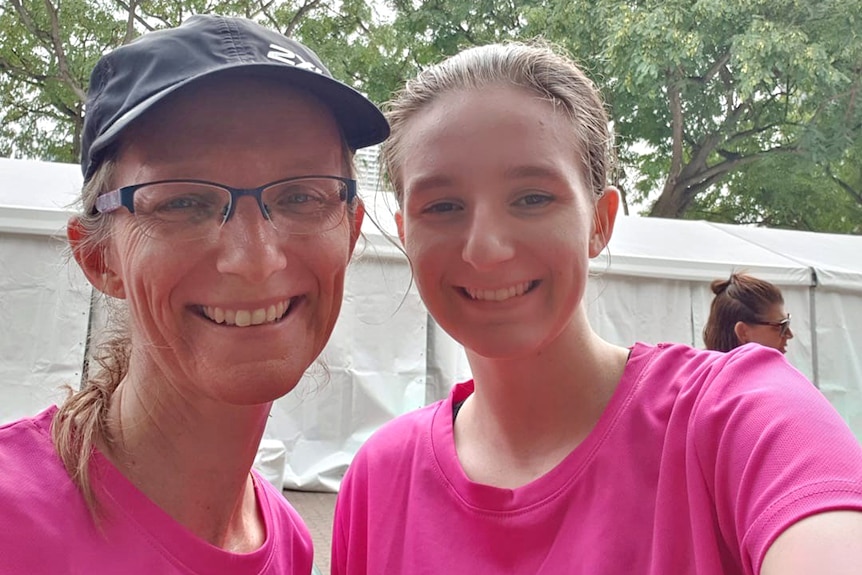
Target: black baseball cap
(129,80)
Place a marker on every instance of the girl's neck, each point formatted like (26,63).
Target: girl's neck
(532,411)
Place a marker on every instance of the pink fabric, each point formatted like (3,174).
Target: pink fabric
(47,528)
(699,462)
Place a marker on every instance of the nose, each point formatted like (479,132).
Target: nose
(788,334)
(488,240)
(249,244)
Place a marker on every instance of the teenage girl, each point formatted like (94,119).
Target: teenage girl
(565,453)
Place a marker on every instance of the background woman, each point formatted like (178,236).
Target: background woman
(746,309)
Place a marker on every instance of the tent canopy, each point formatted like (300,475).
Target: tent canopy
(387,356)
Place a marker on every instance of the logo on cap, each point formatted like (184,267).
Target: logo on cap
(287,56)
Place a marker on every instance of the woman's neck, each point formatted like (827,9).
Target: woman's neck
(192,460)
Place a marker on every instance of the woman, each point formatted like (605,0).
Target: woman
(565,453)
(218,205)
(746,309)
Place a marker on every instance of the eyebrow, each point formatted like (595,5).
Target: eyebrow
(430,182)
(517,172)
(533,171)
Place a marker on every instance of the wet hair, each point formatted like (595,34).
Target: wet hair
(81,422)
(739,298)
(536,67)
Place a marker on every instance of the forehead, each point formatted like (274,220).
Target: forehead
(498,129)
(224,123)
(775,312)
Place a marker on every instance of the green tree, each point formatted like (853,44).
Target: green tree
(48,48)
(703,90)
(45,58)
(804,198)
(732,110)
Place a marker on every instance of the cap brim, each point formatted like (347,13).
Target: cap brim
(361,122)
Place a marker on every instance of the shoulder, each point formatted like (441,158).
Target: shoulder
(400,435)
(742,370)
(28,426)
(751,409)
(37,496)
(288,532)
(749,392)
(272,499)
(408,438)
(26,445)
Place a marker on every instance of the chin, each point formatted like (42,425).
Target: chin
(254,385)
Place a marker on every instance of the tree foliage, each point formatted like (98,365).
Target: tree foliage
(49,47)
(734,110)
(701,91)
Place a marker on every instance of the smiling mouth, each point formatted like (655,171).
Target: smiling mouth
(247,317)
(501,294)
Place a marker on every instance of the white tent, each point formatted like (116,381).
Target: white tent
(386,356)
(44,303)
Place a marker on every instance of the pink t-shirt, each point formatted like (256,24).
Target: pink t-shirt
(46,528)
(699,462)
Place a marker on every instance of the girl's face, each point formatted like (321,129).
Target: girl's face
(496,219)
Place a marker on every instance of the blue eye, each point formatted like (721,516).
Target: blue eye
(534,199)
(441,208)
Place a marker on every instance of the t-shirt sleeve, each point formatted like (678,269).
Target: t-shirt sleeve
(772,449)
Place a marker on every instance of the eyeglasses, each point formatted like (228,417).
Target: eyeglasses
(182,210)
(783,325)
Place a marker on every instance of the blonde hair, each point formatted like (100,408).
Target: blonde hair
(81,421)
(536,67)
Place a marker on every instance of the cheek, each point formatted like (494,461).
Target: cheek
(425,256)
(328,259)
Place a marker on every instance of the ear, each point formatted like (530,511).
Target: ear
(91,259)
(358,217)
(604,216)
(740,329)
(399,221)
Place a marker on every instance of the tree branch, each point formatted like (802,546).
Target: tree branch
(130,22)
(28,22)
(307,7)
(128,9)
(675,105)
(855,194)
(713,70)
(721,169)
(60,53)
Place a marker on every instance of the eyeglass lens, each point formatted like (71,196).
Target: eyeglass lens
(193,210)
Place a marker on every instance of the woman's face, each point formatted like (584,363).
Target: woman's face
(496,219)
(770,333)
(239,316)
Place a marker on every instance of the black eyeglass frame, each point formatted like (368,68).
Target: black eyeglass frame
(124,197)
(783,325)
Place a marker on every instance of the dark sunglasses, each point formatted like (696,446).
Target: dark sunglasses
(783,325)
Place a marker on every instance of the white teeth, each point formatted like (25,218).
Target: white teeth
(258,317)
(499,294)
(247,317)
(243,317)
